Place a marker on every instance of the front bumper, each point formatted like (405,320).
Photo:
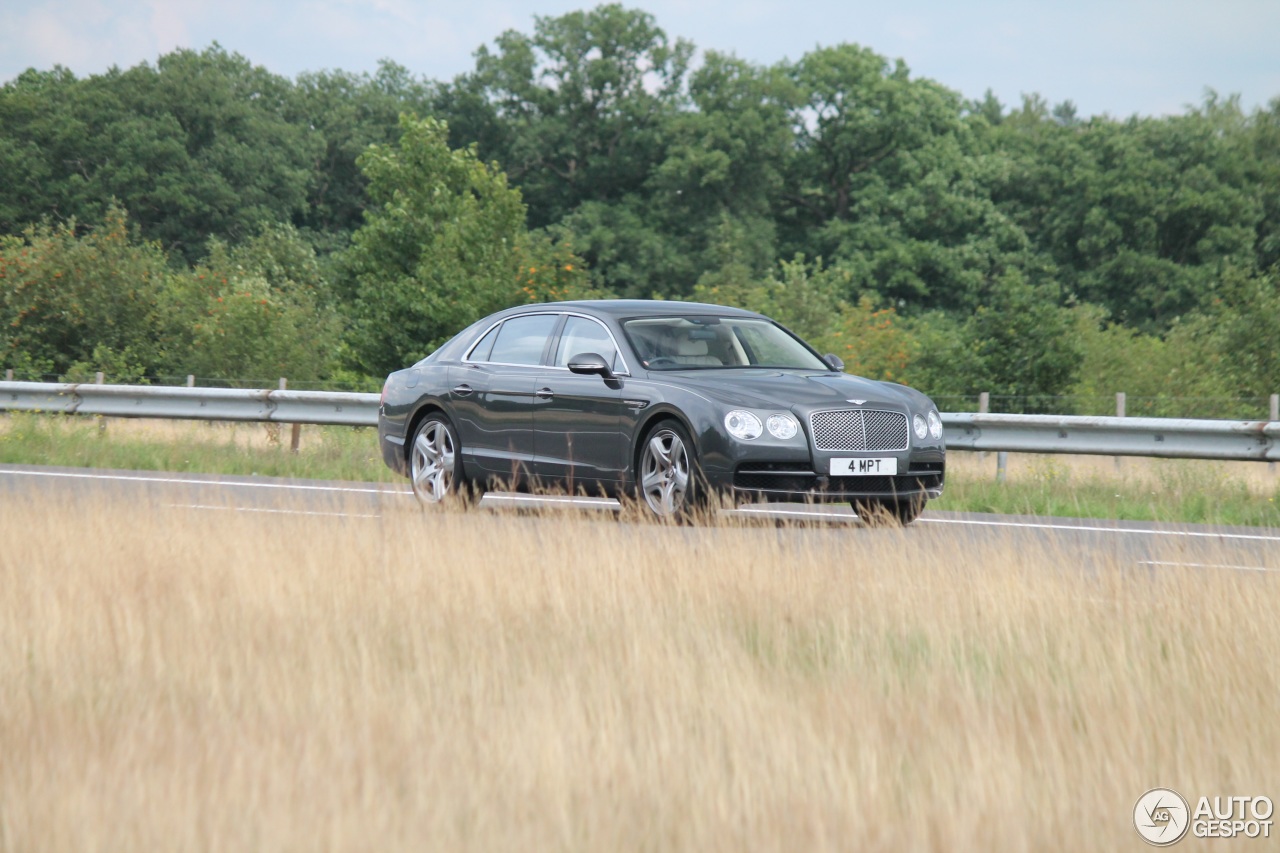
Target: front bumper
(797,471)
(781,482)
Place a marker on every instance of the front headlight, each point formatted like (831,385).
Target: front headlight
(921,428)
(935,424)
(782,426)
(743,426)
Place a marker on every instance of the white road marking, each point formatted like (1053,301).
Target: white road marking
(1206,566)
(835,514)
(276,511)
(1094,529)
(186,481)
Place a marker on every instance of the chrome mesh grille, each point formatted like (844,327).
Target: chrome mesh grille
(855,429)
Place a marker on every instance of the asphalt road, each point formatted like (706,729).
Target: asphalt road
(1146,545)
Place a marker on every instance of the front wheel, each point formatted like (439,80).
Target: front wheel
(435,465)
(665,472)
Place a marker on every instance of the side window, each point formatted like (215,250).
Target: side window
(480,352)
(582,335)
(522,339)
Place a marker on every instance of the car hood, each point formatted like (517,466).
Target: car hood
(791,389)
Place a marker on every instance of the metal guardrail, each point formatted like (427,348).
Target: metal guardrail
(1103,436)
(1165,437)
(205,404)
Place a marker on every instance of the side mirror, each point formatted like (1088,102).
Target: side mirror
(834,361)
(590,364)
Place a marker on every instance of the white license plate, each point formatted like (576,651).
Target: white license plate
(843,466)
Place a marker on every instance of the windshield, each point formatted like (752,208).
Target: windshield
(699,342)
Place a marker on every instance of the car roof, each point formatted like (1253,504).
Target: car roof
(618,308)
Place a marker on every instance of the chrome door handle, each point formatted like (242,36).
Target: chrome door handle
(543,394)
(463,390)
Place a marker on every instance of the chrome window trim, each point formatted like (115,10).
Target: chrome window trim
(626,371)
(466,359)
(480,337)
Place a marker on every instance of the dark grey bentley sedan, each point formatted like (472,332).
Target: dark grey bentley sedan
(668,401)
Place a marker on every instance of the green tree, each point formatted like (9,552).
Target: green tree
(349,112)
(1162,376)
(586,98)
(1139,216)
(443,244)
(1018,345)
(1263,172)
(1241,326)
(69,300)
(723,173)
(887,183)
(1022,342)
(254,312)
(199,145)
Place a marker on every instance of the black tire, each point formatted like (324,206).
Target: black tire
(898,513)
(435,461)
(667,482)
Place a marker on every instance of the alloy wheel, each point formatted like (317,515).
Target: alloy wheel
(432,462)
(664,473)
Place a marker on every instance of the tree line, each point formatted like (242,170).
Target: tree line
(205,215)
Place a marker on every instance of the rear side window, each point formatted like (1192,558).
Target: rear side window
(521,340)
(480,352)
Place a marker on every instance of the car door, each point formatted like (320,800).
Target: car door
(492,396)
(580,441)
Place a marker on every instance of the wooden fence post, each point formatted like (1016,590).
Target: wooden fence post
(1121,400)
(98,379)
(295,430)
(1275,416)
(273,428)
(984,406)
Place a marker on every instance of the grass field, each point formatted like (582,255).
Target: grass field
(1242,493)
(1137,489)
(329,453)
(173,679)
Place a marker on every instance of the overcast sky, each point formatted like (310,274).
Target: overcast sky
(1120,57)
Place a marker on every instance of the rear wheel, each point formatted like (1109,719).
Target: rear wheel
(435,463)
(665,472)
(888,513)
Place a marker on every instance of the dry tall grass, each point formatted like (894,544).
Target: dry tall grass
(182,680)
